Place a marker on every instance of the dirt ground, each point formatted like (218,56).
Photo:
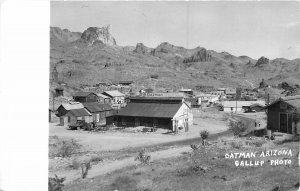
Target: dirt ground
(116,140)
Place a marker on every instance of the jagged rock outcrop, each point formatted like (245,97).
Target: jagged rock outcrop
(200,56)
(63,35)
(262,61)
(94,35)
(141,49)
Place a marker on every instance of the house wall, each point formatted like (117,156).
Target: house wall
(273,117)
(124,121)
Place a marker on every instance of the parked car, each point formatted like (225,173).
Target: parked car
(78,124)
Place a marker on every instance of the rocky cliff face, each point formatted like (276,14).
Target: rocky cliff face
(63,35)
(94,35)
(200,56)
(262,61)
(141,49)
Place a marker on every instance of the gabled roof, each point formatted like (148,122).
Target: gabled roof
(291,100)
(69,106)
(103,96)
(150,110)
(80,112)
(96,107)
(82,94)
(114,93)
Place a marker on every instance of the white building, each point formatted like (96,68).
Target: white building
(237,106)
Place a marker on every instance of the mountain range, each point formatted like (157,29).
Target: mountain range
(94,56)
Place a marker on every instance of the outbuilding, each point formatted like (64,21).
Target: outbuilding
(283,115)
(75,115)
(100,112)
(85,97)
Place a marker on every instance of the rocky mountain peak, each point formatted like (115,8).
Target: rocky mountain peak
(95,34)
(141,48)
(262,61)
(200,56)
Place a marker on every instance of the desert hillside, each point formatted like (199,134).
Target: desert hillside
(94,56)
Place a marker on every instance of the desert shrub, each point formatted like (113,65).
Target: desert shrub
(204,135)
(85,167)
(63,147)
(236,144)
(237,127)
(199,159)
(96,159)
(75,164)
(56,183)
(143,157)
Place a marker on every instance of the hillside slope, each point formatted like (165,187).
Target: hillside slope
(86,59)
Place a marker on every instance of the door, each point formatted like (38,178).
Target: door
(283,122)
(137,122)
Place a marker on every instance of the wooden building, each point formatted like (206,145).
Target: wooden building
(239,106)
(282,115)
(168,113)
(116,96)
(75,115)
(104,99)
(59,91)
(85,97)
(66,107)
(100,113)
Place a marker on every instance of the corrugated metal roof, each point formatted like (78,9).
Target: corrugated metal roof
(69,106)
(95,107)
(80,112)
(114,93)
(150,110)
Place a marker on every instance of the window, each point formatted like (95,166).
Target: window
(69,119)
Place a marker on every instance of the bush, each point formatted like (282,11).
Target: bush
(56,183)
(85,167)
(143,158)
(63,147)
(75,164)
(236,144)
(237,127)
(204,135)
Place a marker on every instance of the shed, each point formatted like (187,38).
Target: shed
(59,91)
(75,115)
(104,99)
(85,97)
(100,112)
(65,107)
(282,114)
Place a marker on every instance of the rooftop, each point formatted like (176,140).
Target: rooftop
(80,112)
(114,93)
(70,106)
(96,107)
(82,94)
(158,110)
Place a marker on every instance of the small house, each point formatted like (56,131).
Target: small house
(116,96)
(85,97)
(100,112)
(59,91)
(283,115)
(75,115)
(66,107)
(104,99)
(168,113)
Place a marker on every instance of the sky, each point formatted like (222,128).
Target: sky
(253,28)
